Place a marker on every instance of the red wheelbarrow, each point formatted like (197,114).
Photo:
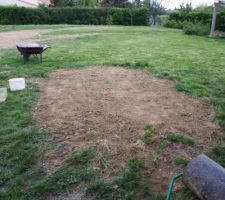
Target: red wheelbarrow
(29,49)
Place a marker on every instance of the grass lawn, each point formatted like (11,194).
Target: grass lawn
(195,63)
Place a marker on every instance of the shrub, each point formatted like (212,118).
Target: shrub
(140,16)
(73,15)
(163,19)
(173,24)
(196,29)
(109,20)
(198,17)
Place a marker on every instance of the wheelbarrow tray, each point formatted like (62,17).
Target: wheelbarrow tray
(31,49)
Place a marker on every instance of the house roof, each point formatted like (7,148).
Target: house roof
(30,2)
(46,1)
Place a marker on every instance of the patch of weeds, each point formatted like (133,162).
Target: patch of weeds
(149,130)
(103,159)
(130,184)
(61,179)
(154,156)
(163,143)
(179,160)
(217,154)
(177,137)
(82,157)
(91,134)
(74,170)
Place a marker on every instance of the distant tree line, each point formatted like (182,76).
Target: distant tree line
(155,7)
(195,21)
(108,3)
(74,15)
(91,3)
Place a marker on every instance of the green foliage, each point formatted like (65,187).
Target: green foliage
(62,178)
(82,156)
(173,24)
(73,171)
(177,137)
(220,20)
(88,3)
(197,19)
(115,3)
(62,3)
(217,154)
(179,160)
(73,15)
(149,130)
(130,184)
(155,8)
(196,29)
(109,20)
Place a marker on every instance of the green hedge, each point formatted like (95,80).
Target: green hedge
(68,15)
(179,19)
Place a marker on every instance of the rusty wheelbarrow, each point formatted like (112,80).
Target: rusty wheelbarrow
(29,49)
(204,177)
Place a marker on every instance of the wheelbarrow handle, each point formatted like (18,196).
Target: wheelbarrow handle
(172,181)
(45,48)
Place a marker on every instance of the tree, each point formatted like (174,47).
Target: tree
(115,3)
(88,3)
(137,3)
(155,8)
(185,8)
(61,3)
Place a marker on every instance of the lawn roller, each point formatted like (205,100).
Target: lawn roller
(203,177)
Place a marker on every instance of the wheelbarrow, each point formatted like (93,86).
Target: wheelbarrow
(204,177)
(29,49)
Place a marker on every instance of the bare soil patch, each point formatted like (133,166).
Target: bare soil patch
(108,107)
(11,38)
(63,38)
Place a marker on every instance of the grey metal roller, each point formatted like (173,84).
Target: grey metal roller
(205,178)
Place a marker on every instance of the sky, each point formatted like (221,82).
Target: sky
(176,3)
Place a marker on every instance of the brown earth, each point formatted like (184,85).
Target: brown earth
(108,108)
(11,38)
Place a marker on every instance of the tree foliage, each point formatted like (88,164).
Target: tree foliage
(115,3)
(137,3)
(155,8)
(88,3)
(62,3)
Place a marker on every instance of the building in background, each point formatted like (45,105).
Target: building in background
(24,3)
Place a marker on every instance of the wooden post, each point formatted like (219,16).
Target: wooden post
(213,20)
